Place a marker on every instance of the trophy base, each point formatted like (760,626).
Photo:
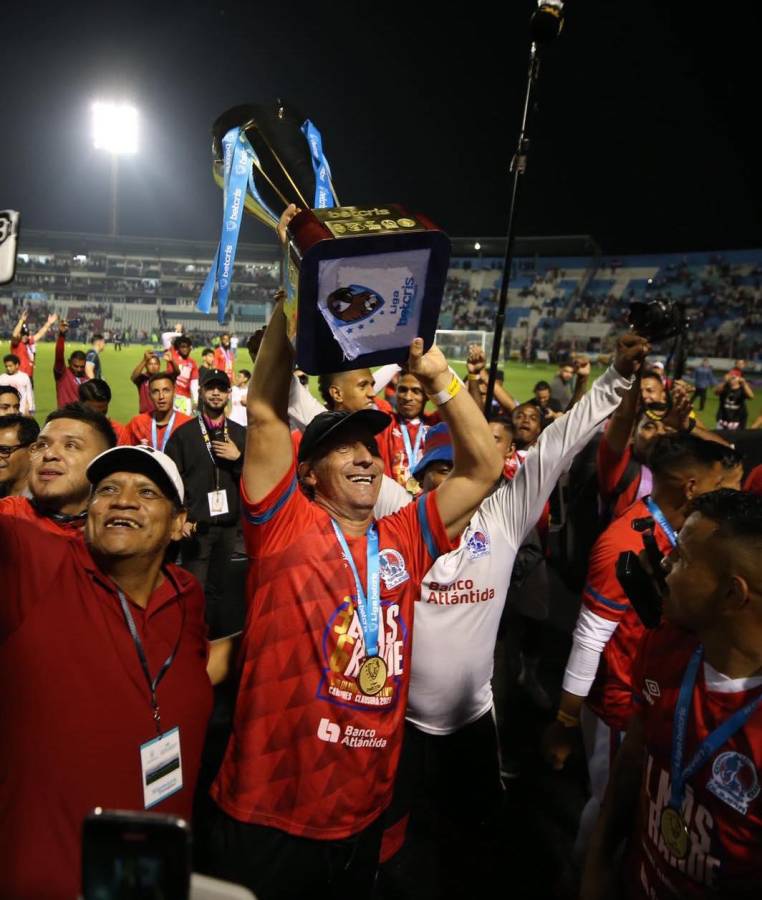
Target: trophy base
(361,284)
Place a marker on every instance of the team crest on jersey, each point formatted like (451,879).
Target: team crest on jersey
(478,544)
(392,569)
(734,780)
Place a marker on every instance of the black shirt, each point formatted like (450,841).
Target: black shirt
(188,449)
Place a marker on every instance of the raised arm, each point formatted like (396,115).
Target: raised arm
(16,333)
(59,364)
(269,451)
(49,323)
(140,367)
(580,386)
(477,461)
(618,433)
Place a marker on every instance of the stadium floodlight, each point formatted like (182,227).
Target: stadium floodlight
(115,128)
(477,246)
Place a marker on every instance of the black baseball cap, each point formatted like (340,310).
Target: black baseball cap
(216,376)
(331,424)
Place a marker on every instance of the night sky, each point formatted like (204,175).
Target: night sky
(643,133)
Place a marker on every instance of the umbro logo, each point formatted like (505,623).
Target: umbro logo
(653,688)
(329,731)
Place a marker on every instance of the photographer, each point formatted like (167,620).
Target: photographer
(732,414)
(597,686)
(208,451)
(683,790)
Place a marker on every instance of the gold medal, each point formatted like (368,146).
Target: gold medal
(675,832)
(372,675)
(412,486)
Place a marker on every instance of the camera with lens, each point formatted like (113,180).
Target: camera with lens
(658,320)
(643,586)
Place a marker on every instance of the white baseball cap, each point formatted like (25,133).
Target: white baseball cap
(154,464)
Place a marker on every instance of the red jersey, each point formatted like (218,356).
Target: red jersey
(187,371)
(309,753)
(145,403)
(75,704)
(610,697)
(391,443)
(224,360)
(120,431)
(611,469)
(23,509)
(139,430)
(25,353)
(722,806)
(67,383)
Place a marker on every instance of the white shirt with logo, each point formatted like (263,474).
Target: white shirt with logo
(463,594)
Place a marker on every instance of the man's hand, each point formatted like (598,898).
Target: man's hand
(189,529)
(286,216)
(51,320)
(430,368)
(147,355)
(63,326)
(476,359)
(630,352)
(679,414)
(558,743)
(583,368)
(226,450)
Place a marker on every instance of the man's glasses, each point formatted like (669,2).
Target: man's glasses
(6,449)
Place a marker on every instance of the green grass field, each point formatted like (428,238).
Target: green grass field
(117,366)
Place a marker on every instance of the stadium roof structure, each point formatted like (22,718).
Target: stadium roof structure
(74,243)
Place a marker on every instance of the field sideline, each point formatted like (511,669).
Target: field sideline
(117,366)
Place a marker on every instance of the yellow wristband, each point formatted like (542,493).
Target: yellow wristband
(473,376)
(442,397)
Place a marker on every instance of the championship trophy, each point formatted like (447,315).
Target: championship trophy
(361,283)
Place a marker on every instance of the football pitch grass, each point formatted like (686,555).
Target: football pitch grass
(117,366)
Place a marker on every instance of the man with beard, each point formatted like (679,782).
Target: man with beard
(684,793)
(17,433)
(186,383)
(104,692)
(71,438)
(149,365)
(154,428)
(208,451)
(224,358)
(597,686)
(401,443)
(68,377)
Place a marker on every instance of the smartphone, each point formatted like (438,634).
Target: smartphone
(135,854)
(640,589)
(216,434)
(9,236)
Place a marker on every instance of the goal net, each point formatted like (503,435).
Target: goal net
(455,344)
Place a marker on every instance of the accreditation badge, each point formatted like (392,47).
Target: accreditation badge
(218,503)
(161,767)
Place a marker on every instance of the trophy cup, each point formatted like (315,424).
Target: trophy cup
(361,282)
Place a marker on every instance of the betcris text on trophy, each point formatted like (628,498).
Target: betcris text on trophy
(361,282)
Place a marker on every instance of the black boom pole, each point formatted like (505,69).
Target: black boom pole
(545,25)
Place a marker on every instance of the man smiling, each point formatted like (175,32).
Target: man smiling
(72,437)
(103,661)
(326,650)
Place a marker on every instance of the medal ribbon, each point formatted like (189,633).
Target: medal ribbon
(238,157)
(661,520)
(368,604)
(323,193)
(155,432)
(413,453)
(712,742)
(153,683)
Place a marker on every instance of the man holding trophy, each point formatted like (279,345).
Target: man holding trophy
(325,657)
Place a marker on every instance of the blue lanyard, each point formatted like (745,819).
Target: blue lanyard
(155,432)
(368,605)
(712,742)
(661,519)
(239,156)
(413,453)
(323,192)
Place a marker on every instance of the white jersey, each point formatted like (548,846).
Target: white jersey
(463,594)
(238,404)
(23,384)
